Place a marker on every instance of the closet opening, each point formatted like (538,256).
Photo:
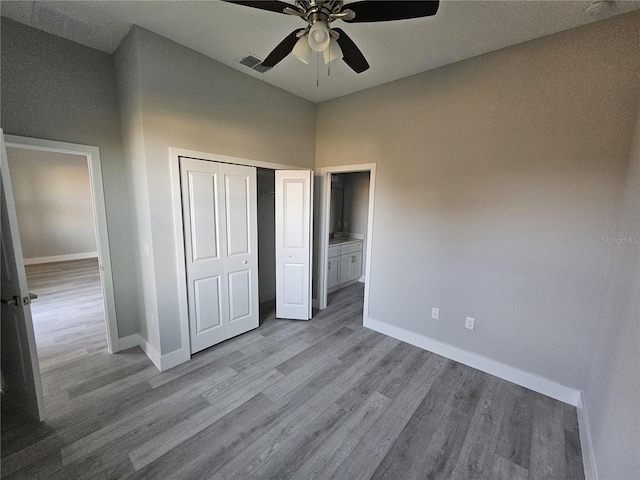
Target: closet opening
(266,185)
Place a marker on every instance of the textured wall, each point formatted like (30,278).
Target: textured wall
(55,89)
(497,178)
(612,392)
(187,100)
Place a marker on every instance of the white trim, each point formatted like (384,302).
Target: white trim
(501,370)
(131,341)
(172,359)
(323,247)
(60,258)
(151,352)
(161,362)
(178,233)
(214,157)
(586,442)
(99,214)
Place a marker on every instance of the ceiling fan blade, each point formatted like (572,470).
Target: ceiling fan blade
(272,6)
(382,11)
(352,55)
(282,50)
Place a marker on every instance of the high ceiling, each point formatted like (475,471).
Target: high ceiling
(227,32)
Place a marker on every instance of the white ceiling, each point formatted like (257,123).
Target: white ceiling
(226,32)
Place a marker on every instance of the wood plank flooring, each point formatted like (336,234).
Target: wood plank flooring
(324,399)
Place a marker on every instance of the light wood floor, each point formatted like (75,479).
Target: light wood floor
(321,399)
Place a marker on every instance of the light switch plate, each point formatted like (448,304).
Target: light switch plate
(435,313)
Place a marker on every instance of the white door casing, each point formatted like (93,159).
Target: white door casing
(220,231)
(323,246)
(294,204)
(92,155)
(20,370)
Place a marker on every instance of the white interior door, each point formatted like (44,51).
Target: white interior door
(20,370)
(241,247)
(220,227)
(294,203)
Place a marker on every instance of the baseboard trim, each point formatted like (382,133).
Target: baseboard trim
(163,362)
(586,442)
(151,352)
(125,343)
(60,258)
(501,370)
(173,359)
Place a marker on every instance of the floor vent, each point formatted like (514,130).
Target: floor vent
(253,63)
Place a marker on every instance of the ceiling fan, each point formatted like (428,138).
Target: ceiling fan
(334,43)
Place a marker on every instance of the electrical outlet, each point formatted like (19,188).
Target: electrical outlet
(153,319)
(435,313)
(145,249)
(470,323)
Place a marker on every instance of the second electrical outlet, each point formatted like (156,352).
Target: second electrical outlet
(470,323)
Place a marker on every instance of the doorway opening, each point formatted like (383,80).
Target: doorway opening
(345,239)
(59,199)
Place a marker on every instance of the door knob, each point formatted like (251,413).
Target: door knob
(244,262)
(17,301)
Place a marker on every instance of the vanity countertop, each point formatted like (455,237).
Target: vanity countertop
(341,240)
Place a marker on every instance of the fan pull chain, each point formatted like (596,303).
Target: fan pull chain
(318,70)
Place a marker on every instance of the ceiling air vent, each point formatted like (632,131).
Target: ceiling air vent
(253,63)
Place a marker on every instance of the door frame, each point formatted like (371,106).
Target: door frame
(178,223)
(96,184)
(323,243)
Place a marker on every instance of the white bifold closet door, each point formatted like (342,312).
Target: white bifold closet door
(221,248)
(294,206)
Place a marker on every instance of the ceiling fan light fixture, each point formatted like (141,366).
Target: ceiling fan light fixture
(301,50)
(333,52)
(319,36)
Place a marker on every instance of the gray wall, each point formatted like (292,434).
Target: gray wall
(58,90)
(497,178)
(356,202)
(357,207)
(349,203)
(612,392)
(53,203)
(130,103)
(187,100)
